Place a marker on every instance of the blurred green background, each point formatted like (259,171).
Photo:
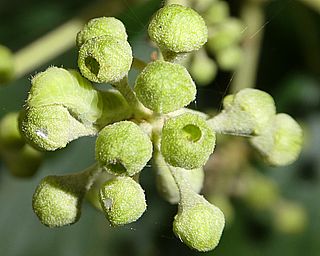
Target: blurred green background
(289,69)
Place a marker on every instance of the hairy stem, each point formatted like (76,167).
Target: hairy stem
(140,112)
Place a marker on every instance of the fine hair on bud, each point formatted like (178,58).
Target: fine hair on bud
(57,200)
(177,28)
(102,26)
(123,148)
(187,141)
(105,59)
(122,200)
(165,87)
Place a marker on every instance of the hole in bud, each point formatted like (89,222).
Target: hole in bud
(192,132)
(116,168)
(108,203)
(92,65)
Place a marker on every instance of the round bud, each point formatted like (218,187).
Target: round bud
(218,12)
(203,69)
(57,201)
(103,26)
(58,86)
(258,104)
(227,101)
(51,127)
(178,28)
(10,137)
(123,148)
(6,65)
(187,141)
(165,87)
(122,200)
(23,162)
(290,218)
(261,193)
(200,226)
(105,59)
(281,142)
(229,58)
(225,34)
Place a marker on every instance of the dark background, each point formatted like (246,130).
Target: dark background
(288,69)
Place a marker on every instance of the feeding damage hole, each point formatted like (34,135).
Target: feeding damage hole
(92,65)
(192,132)
(107,203)
(117,167)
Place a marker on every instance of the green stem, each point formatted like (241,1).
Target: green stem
(61,39)
(140,112)
(252,15)
(90,175)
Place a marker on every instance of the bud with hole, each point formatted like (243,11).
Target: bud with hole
(122,200)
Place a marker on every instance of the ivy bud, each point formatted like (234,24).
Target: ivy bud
(57,200)
(178,29)
(281,142)
(6,65)
(261,193)
(51,127)
(123,148)
(23,162)
(256,103)
(165,87)
(103,26)
(122,200)
(10,137)
(229,58)
(105,59)
(199,226)
(290,218)
(218,12)
(225,34)
(58,86)
(187,141)
(203,69)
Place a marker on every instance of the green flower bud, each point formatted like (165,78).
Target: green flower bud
(165,87)
(225,34)
(103,26)
(199,226)
(187,141)
(57,86)
(123,148)
(57,200)
(281,142)
(218,12)
(123,200)
(178,29)
(203,69)
(260,105)
(6,65)
(10,137)
(229,58)
(23,162)
(261,193)
(227,101)
(51,127)
(105,59)
(224,204)
(166,185)
(290,218)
